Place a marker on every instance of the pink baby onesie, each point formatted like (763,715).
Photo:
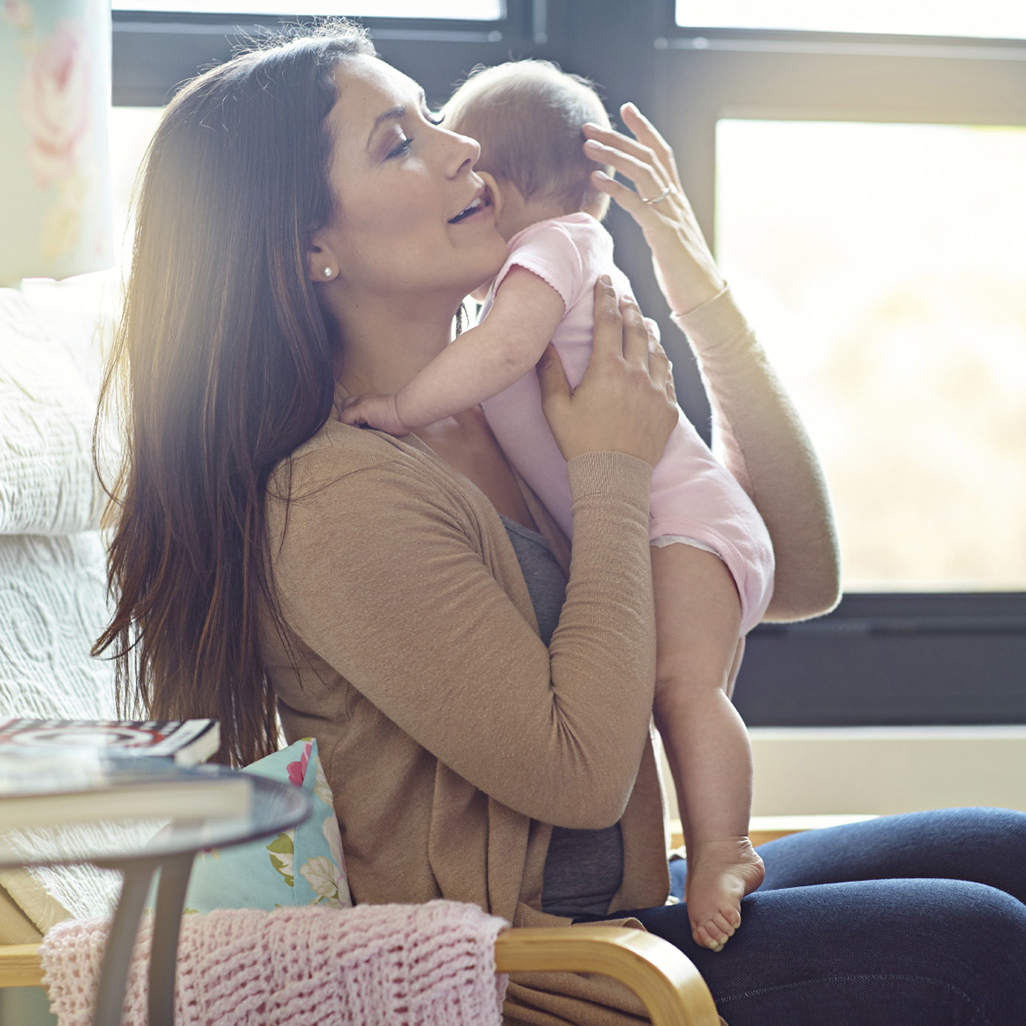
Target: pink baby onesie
(693,496)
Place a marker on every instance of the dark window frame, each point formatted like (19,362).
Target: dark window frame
(154,52)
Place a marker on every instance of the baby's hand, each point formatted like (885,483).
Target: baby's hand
(376,411)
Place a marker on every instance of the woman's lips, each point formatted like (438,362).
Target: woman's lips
(474,210)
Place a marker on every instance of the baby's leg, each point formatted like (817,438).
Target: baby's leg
(697,620)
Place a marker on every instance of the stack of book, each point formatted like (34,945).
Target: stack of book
(73,771)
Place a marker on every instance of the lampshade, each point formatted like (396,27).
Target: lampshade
(55,206)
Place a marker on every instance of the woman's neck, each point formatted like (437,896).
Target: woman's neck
(386,345)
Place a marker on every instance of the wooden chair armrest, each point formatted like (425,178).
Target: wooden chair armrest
(20,965)
(663,978)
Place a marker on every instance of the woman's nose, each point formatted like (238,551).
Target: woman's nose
(464,154)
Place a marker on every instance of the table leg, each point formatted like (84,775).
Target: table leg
(174,879)
(117,959)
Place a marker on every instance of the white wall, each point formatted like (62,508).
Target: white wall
(880,770)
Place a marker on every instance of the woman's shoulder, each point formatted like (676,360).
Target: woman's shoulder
(351,494)
(339,451)
(348,469)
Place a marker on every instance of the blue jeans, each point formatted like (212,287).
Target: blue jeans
(913,920)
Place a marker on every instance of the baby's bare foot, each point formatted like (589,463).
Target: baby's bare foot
(720,874)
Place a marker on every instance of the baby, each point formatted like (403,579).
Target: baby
(712,561)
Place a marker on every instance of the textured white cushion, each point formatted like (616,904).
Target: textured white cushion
(52,563)
(53,602)
(52,608)
(47,407)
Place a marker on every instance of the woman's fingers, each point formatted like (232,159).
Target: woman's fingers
(659,365)
(648,135)
(608,332)
(636,340)
(627,198)
(618,141)
(684,266)
(648,148)
(648,178)
(620,328)
(621,403)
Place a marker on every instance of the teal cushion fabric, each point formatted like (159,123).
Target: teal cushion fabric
(302,866)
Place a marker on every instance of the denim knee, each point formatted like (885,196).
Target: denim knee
(868,953)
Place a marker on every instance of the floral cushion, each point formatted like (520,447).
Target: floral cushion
(302,866)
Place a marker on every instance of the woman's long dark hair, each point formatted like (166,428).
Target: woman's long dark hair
(221,366)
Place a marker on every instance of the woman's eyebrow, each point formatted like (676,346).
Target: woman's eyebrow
(392,114)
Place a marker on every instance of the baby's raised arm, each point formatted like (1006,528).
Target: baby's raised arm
(475,366)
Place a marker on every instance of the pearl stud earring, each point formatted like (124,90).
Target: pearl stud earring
(327,272)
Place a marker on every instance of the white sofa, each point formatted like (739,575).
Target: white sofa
(52,566)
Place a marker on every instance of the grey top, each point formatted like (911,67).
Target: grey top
(583,868)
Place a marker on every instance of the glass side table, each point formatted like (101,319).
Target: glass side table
(139,850)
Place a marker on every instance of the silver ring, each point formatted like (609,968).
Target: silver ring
(670,190)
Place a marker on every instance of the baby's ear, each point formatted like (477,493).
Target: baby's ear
(496,194)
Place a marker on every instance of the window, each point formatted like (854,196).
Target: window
(985,18)
(465,10)
(159,44)
(889,287)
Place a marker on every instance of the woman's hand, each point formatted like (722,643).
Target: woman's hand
(684,267)
(625,401)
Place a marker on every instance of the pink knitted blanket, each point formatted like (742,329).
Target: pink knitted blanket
(374,965)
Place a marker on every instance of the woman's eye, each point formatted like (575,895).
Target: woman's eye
(401,149)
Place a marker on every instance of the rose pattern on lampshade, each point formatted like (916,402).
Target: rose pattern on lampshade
(54,195)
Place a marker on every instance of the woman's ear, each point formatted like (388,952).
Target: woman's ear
(321,264)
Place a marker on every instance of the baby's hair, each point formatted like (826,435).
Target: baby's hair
(527,116)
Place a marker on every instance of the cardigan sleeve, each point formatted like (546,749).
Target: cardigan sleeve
(384,573)
(759,435)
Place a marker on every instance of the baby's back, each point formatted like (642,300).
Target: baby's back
(569,253)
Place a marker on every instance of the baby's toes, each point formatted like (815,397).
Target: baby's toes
(704,939)
(724,925)
(713,933)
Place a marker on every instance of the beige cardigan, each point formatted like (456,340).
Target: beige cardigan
(452,737)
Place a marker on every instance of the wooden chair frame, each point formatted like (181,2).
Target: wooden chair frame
(664,979)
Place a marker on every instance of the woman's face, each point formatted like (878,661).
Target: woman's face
(412,216)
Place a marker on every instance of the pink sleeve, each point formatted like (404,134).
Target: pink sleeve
(551,251)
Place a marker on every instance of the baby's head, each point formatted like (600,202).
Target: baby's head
(527,116)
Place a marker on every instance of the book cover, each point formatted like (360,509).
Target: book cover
(65,771)
(184,742)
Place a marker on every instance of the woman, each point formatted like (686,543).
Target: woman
(307,231)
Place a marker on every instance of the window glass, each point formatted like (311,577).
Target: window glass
(982,18)
(472,10)
(885,267)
